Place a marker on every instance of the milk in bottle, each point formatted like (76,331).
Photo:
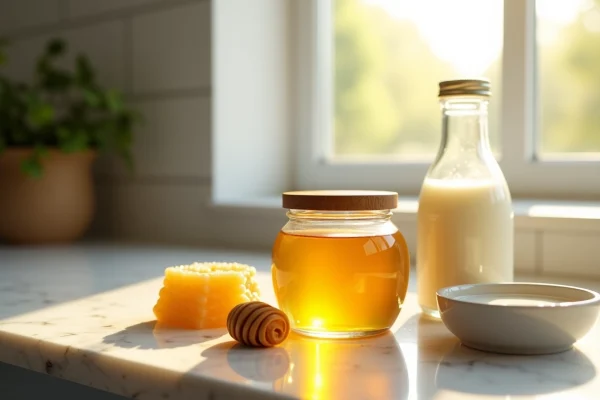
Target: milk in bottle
(465,217)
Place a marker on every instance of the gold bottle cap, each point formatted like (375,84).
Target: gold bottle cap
(465,87)
(340,200)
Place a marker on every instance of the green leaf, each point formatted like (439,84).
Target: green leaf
(124,137)
(128,159)
(40,114)
(77,111)
(56,47)
(84,71)
(42,67)
(63,133)
(92,98)
(55,80)
(18,135)
(40,151)
(114,101)
(3,56)
(74,140)
(32,166)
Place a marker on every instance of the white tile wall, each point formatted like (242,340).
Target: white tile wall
(172,213)
(559,257)
(79,8)
(22,55)
(171,49)
(18,14)
(240,228)
(104,43)
(174,140)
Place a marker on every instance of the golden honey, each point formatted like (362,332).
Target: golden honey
(336,284)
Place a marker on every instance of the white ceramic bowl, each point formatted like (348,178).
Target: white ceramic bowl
(518,318)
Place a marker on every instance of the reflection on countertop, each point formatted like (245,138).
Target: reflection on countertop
(84,314)
(319,369)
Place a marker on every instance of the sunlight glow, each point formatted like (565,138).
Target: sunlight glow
(410,352)
(561,12)
(318,378)
(466,33)
(469,33)
(555,16)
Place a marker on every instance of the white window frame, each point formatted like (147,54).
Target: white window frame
(527,177)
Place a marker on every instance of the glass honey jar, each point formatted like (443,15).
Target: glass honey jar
(340,266)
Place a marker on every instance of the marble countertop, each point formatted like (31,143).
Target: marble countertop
(84,314)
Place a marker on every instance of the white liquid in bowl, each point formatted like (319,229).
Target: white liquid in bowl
(512,299)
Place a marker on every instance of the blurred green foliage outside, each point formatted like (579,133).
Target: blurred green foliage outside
(386,77)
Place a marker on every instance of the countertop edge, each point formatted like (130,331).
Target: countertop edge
(133,380)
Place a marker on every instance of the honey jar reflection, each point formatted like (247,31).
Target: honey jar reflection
(371,368)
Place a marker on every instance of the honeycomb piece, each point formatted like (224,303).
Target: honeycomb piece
(200,295)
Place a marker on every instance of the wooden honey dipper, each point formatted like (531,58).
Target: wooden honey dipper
(258,324)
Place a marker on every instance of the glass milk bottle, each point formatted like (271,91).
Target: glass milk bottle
(465,218)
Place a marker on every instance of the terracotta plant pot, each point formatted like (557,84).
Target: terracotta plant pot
(58,207)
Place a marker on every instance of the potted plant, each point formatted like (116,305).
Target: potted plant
(50,132)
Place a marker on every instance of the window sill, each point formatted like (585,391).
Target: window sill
(551,237)
(529,214)
(537,214)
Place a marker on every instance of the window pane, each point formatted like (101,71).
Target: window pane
(568,37)
(389,56)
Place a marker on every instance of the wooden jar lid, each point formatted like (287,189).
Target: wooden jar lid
(340,200)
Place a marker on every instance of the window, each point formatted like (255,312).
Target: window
(383,104)
(568,38)
(368,85)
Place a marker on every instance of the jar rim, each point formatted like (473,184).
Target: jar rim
(339,216)
(340,200)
